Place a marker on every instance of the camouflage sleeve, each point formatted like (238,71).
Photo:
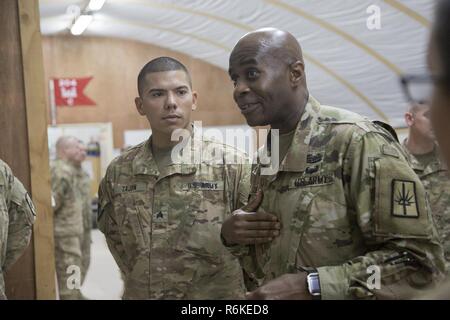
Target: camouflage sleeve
(60,188)
(241,192)
(392,214)
(107,224)
(21,218)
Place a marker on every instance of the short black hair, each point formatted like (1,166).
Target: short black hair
(442,34)
(161,64)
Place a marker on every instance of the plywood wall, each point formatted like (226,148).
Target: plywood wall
(115,64)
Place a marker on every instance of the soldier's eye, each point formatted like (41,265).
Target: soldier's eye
(234,80)
(252,74)
(156,94)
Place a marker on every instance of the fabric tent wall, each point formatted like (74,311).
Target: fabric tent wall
(348,64)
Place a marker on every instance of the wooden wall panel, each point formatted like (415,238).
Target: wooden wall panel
(13,134)
(34,91)
(115,64)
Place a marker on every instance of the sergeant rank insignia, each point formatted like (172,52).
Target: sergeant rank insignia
(404,199)
(160,216)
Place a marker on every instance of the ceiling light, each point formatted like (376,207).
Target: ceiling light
(95,5)
(80,24)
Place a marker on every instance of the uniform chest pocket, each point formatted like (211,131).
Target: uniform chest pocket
(198,232)
(279,256)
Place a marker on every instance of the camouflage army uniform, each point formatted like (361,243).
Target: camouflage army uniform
(84,188)
(346,199)
(17,215)
(436,180)
(68,226)
(163,228)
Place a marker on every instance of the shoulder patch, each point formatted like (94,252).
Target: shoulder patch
(404,199)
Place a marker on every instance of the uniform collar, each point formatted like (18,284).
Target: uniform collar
(435,165)
(144,162)
(296,155)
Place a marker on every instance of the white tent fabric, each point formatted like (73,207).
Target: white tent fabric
(348,65)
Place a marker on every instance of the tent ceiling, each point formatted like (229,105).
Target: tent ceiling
(347,64)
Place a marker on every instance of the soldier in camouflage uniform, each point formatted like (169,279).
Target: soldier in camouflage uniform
(17,215)
(68,216)
(424,157)
(84,187)
(439,69)
(162,217)
(344,193)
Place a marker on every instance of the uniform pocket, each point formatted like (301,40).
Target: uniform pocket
(198,232)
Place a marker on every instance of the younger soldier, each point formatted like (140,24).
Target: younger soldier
(162,217)
(17,216)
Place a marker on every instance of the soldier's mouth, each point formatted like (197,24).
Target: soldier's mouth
(171,116)
(249,107)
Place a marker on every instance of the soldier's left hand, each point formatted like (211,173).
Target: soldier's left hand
(286,287)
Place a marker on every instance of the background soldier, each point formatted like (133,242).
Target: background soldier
(84,187)
(439,79)
(162,218)
(344,194)
(425,158)
(68,215)
(17,215)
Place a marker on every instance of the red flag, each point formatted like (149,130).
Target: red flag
(69,92)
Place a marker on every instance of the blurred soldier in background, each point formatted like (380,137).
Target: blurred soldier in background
(68,215)
(425,158)
(84,187)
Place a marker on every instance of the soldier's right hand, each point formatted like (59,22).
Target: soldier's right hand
(247,226)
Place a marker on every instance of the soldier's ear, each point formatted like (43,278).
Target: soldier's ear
(297,73)
(138,103)
(409,119)
(194,100)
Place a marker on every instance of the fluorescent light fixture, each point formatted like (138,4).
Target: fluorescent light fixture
(95,5)
(80,24)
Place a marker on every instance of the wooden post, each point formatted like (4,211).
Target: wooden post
(23,141)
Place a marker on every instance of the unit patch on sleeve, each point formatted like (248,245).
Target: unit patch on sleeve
(404,199)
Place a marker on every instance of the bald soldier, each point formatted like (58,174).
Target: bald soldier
(68,216)
(353,215)
(161,216)
(17,215)
(426,160)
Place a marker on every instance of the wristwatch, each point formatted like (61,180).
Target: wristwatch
(313,282)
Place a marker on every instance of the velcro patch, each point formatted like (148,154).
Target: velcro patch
(129,188)
(314,157)
(389,151)
(204,185)
(404,199)
(160,216)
